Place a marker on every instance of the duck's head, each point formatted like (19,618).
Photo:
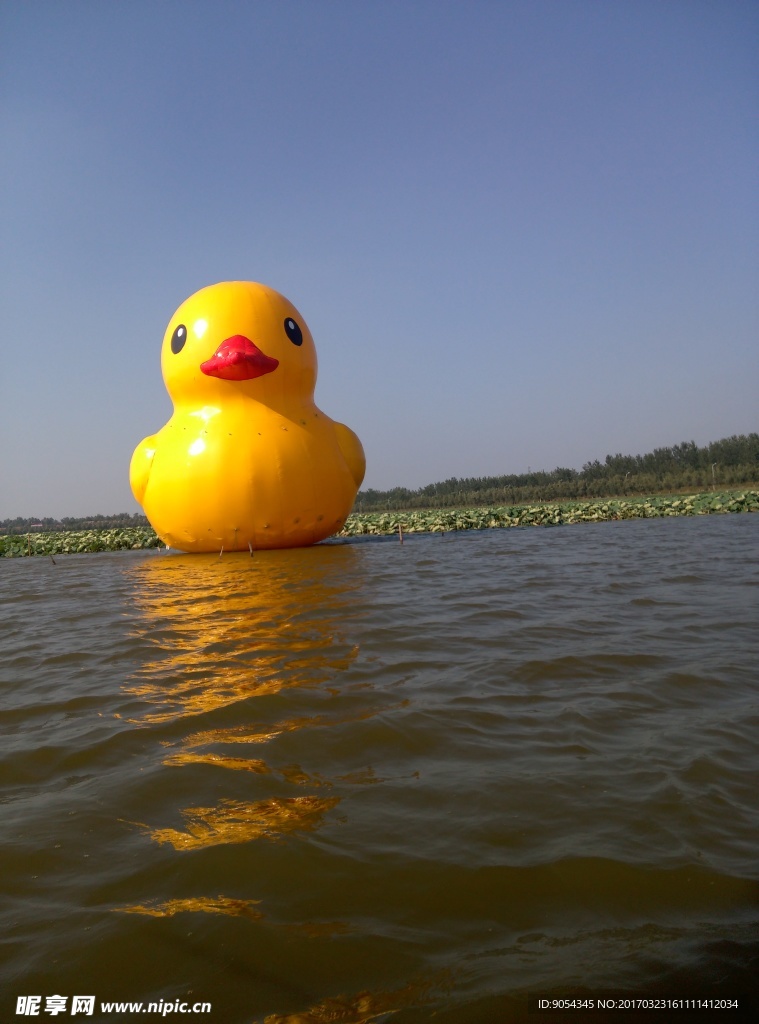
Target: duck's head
(238,337)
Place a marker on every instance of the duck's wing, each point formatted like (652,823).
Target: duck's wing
(352,450)
(139,468)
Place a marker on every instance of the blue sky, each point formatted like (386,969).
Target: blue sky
(522,233)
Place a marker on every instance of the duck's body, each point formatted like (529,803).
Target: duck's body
(247,460)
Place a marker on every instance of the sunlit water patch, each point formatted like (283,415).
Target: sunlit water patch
(370,779)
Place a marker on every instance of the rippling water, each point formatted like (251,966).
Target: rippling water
(333,783)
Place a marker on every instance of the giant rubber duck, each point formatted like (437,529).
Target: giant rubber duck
(247,461)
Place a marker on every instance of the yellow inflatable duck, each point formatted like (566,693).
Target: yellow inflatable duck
(247,460)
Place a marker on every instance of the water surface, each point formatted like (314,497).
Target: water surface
(367,779)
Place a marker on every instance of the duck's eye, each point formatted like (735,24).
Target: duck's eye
(293,332)
(178,338)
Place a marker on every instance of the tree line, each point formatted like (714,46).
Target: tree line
(730,462)
(32,524)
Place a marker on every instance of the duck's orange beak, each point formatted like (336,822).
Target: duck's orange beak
(237,358)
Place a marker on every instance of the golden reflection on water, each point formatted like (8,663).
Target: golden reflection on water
(238,821)
(228,629)
(292,773)
(204,904)
(249,764)
(366,1006)
(248,734)
(232,908)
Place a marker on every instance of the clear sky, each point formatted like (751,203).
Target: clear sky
(523,233)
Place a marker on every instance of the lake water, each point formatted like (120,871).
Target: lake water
(371,780)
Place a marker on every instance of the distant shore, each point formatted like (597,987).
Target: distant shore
(437,520)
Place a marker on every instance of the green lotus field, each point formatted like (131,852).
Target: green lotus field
(420,521)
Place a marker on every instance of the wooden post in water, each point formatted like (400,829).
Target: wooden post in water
(400,533)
